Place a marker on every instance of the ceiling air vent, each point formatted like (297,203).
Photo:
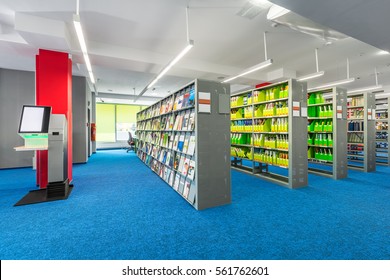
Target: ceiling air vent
(296,22)
(253,8)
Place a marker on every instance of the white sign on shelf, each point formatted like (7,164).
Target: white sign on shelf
(296,108)
(204,102)
(304,111)
(339,112)
(369,114)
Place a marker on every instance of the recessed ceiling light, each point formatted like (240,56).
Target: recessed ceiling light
(259,2)
(109,89)
(382,52)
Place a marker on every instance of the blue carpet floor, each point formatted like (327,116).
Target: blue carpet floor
(119,209)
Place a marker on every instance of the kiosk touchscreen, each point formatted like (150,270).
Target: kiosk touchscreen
(34,127)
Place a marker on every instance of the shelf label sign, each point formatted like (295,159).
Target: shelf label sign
(204,102)
(339,112)
(369,114)
(296,108)
(304,112)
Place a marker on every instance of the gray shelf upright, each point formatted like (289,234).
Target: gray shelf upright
(361,155)
(382,151)
(337,99)
(211,185)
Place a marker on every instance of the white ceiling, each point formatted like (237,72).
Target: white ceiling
(129,42)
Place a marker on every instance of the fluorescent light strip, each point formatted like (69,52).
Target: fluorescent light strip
(173,62)
(366,89)
(166,68)
(311,76)
(341,82)
(250,70)
(83,46)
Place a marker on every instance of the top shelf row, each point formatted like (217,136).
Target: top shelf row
(181,100)
(272,94)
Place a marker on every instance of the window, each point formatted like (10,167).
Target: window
(114,121)
(105,122)
(126,120)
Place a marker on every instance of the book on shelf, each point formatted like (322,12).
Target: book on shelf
(177,182)
(163,122)
(355,126)
(176,141)
(186,96)
(163,156)
(154,151)
(180,102)
(158,137)
(176,124)
(180,144)
(148,160)
(191,170)
(170,104)
(176,100)
(186,165)
(168,158)
(185,121)
(191,145)
(191,98)
(165,173)
(186,143)
(191,121)
(171,140)
(162,108)
(171,178)
(170,122)
(171,160)
(180,124)
(166,126)
(186,190)
(181,185)
(166,139)
(176,162)
(159,170)
(181,163)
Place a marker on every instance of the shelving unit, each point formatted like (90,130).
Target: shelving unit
(382,151)
(268,126)
(184,140)
(327,137)
(361,132)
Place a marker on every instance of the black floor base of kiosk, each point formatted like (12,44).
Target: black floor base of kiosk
(54,191)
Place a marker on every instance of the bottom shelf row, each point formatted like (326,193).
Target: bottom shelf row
(277,158)
(180,183)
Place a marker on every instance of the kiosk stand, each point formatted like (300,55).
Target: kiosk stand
(43,131)
(58,185)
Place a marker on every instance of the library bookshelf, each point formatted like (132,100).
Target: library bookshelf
(184,139)
(268,127)
(361,132)
(327,136)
